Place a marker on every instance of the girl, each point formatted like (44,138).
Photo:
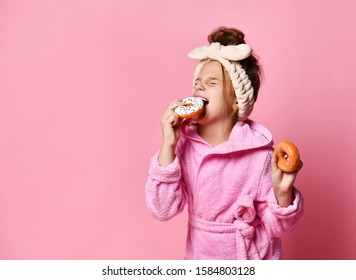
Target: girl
(221,164)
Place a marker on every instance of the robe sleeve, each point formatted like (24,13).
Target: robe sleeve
(165,190)
(279,221)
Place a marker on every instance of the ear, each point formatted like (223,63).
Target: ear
(235,106)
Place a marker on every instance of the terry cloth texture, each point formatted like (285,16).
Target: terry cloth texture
(233,213)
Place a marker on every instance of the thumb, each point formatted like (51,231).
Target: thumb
(274,161)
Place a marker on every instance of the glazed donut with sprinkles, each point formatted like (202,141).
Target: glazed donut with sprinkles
(193,106)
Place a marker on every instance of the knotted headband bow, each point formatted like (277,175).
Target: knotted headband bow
(229,57)
(216,51)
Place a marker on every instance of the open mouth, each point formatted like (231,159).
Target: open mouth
(206,101)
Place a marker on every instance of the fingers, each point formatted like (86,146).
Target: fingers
(173,120)
(175,104)
(167,116)
(283,181)
(274,163)
(171,124)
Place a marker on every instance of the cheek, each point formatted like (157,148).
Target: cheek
(218,106)
(230,94)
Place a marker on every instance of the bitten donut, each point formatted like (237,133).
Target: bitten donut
(287,156)
(192,107)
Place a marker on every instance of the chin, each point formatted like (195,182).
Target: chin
(199,121)
(200,118)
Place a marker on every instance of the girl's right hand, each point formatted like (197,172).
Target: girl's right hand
(171,124)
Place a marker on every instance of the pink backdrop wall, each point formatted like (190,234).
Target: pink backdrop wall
(83,85)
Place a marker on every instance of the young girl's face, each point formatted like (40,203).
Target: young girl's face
(214,84)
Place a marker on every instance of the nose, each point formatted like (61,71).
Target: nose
(199,86)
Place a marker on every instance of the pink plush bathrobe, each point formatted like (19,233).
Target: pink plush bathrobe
(233,213)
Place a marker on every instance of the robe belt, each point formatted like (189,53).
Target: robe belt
(243,227)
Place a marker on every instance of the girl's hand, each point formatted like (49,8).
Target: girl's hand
(283,183)
(171,124)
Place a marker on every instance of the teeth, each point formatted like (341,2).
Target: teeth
(205,100)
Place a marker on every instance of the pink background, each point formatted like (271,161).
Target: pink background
(83,85)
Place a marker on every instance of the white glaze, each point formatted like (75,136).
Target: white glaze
(196,102)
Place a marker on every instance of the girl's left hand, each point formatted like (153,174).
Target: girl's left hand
(283,183)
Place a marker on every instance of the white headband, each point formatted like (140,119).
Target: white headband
(229,56)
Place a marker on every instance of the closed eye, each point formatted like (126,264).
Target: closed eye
(214,83)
